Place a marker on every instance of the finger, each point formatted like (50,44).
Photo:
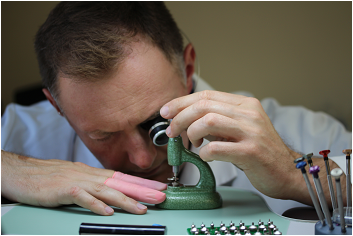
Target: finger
(140,181)
(82,198)
(199,109)
(114,197)
(243,154)
(224,151)
(173,107)
(137,192)
(214,125)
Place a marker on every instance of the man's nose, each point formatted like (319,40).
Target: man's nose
(142,152)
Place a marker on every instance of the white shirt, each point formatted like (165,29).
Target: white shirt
(39,131)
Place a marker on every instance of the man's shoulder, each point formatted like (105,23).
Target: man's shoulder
(40,114)
(37,108)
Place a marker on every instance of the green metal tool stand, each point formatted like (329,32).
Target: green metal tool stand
(201,196)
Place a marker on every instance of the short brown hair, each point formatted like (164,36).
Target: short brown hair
(86,40)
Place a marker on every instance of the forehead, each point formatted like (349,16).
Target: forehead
(142,84)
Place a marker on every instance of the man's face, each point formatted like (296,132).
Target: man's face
(107,114)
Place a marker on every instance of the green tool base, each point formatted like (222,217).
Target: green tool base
(190,198)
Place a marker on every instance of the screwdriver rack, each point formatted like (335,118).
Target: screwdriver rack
(341,221)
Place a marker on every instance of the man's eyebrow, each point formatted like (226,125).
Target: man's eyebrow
(100,132)
(154,115)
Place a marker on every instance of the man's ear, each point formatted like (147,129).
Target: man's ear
(189,63)
(51,100)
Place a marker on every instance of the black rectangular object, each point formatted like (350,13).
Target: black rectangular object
(90,228)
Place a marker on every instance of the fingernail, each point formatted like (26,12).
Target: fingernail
(164,111)
(160,197)
(140,206)
(109,210)
(154,197)
(161,186)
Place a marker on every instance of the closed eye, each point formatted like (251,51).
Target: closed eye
(107,137)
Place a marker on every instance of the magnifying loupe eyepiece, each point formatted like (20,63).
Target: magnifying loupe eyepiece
(156,130)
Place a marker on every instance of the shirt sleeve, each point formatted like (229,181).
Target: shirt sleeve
(306,131)
(36,131)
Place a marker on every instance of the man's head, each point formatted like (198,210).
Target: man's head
(107,86)
(88,40)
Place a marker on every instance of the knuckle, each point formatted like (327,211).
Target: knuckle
(99,187)
(202,105)
(253,101)
(206,94)
(123,200)
(210,119)
(75,191)
(255,115)
(94,202)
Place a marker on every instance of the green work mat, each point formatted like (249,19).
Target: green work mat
(238,205)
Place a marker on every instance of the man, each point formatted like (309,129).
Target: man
(108,68)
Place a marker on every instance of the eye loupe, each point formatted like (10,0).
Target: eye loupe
(156,130)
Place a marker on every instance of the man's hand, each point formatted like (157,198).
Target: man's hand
(51,183)
(244,136)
